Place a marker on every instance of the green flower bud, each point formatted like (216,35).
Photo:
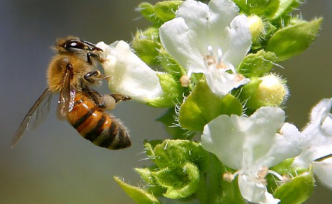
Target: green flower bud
(179,166)
(152,185)
(293,39)
(269,90)
(256,26)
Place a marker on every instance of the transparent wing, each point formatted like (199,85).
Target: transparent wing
(41,112)
(66,96)
(40,108)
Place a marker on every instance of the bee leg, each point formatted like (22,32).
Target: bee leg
(93,76)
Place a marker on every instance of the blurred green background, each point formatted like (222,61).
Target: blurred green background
(53,164)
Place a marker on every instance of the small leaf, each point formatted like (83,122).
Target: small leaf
(165,10)
(294,39)
(172,127)
(149,148)
(285,7)
(258,64)
(148,12)
(137,194)
(298,190)
(202,106)
(146,45)
(266,8)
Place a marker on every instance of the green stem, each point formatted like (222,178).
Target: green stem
(201,192)
(214,174)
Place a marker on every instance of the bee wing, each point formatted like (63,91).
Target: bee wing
(66,97)
(40,108)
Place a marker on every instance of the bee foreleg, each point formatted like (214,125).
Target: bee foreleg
(93,76)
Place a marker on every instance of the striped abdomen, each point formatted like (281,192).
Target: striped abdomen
(96,125)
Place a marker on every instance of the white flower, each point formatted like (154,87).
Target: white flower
(251,145)
(199,31)
(318,142)
(128,74)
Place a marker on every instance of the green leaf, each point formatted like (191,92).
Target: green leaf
(297,190)
(202,106)
(294,39)
(172,126)
(285,7)
(258,64)
(266,8)
(146,45)
(148,12)
(173,91)
(165,10)
(137,194)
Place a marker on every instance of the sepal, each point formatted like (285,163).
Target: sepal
(258,64)
(202,106)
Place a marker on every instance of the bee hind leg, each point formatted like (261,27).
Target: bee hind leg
(106,101)
(118,98)
(109,101)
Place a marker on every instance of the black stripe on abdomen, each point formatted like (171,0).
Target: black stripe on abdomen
(95,132)
(108,140)
(83,118)
(123,140)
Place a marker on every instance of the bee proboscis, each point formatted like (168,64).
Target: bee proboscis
(70,73)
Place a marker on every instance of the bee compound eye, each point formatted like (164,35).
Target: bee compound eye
(74,44)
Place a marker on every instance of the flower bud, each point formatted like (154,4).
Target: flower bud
(256,26)
(269,90)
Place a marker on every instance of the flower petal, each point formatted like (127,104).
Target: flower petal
(251,138)
(239,41)
(222,82)
(253,192)
(323,171)
(198,26)
(179,41)
(317,134)
(128,74)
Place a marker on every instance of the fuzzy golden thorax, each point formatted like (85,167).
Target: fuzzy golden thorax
(58,67)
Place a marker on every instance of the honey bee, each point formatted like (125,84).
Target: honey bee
(70,73)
